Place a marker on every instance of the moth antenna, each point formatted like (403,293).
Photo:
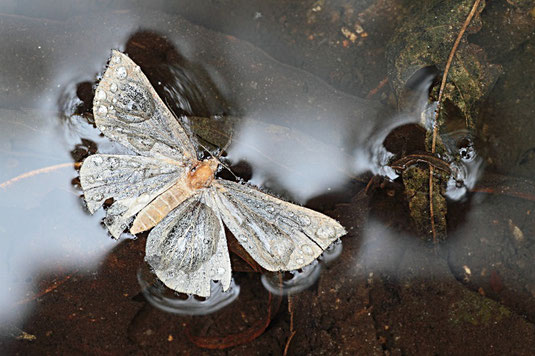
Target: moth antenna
(204,147)
(218,160)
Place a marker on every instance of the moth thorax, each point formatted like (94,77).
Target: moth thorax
(202,174)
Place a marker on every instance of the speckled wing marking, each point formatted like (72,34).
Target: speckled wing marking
(132,181)
(279,235)
(188,248)
(128,110)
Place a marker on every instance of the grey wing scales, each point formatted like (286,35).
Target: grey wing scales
(277,234)
(132,182)
(188,248)
(128,110)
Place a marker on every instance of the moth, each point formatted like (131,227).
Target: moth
(164,187)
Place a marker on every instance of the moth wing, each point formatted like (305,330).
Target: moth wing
(188,248)
(132,182)
(279,235)
(128,110)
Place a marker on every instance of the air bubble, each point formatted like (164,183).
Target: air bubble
(121,72)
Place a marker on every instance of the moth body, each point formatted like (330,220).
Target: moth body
(203,174)
(199,176)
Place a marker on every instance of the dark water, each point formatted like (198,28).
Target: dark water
(307,118)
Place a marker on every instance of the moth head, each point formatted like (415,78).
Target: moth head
(202,174)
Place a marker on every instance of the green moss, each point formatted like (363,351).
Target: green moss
(477,310)
(416,181)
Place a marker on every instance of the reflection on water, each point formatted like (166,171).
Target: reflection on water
(44,228)
(169,301)
(302,138)
(302,279)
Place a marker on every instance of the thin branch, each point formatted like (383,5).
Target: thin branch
(292,330)
(47,290)
(437,111)
(39,171)
(447,69)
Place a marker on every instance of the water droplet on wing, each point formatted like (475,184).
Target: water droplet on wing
(307,250)
(121,72)
(102,110)
(325,232)
(101,94)
(304,220)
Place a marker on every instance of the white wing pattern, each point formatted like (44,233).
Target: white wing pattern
(187,248)
(132,181)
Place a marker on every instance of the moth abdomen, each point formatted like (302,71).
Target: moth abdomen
(162,205)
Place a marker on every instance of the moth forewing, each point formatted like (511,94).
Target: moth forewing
(277,234)
(132,182)
(128,110)
(188,248)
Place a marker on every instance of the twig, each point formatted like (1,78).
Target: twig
(437,111)
(292,331)
(224,342)
(376,89)
(47,290)
(39,171)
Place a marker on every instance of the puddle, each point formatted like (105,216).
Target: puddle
(299,95)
